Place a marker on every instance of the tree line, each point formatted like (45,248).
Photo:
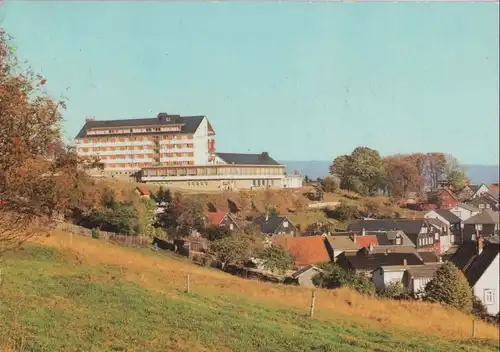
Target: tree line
(366,172)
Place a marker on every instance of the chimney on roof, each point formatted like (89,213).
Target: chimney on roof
(363,232)
(265,155)
(89,118)
(370,248)
(354,237)
(405,263)
(267,217)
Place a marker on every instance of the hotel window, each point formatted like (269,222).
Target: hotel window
(489,296)
(479,227)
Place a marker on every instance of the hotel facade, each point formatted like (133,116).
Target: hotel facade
(177,151)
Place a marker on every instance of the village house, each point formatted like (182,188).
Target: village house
(443,198)
(486,223)
(386,274)
(479,261)
(143,191)
(484,201)
(275,225)
(415,278)
(366,262)
(221,219)
(465,211)
(452,233)
(419,231)
(306,250)
(305,275)
(472,191)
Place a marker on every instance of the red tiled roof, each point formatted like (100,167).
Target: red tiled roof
(144,190)
(365,241)
(215,218)
(305,250)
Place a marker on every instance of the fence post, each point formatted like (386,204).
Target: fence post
(473,328)
(313,302)
(188,288)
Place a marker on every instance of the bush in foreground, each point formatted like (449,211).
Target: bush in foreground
(450,287)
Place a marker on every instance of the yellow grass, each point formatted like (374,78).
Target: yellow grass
(162,272)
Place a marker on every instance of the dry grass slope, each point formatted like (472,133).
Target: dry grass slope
(165,274)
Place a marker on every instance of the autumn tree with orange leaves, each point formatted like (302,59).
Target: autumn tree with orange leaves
(39,178)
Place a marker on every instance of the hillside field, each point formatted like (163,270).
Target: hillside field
(73,293)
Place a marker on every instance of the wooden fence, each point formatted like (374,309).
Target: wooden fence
(136,241)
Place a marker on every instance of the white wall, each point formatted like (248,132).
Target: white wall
(490,280)
(381,278)
(419,283)
(200,143)
(462,213)
(482,190)
(292,181)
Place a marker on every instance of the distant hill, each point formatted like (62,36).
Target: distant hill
(313,169)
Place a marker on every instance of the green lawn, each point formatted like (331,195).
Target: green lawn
(51,304)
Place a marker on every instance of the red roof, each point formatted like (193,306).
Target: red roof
(215,218)
(144,190)
(366,240)
(305,250)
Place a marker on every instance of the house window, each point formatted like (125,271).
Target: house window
(479,227)
(231,227)
(285,224)
(481,206)
(436,236)
(489,297)
(399,240)
(488,206)
(423,230)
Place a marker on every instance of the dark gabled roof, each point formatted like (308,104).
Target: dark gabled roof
(486,217)
(428,256)
(271,224)
(482,262)
(474,188)
(373,261)
(305,269)
(428,270)
(408,226)
(448,216)
(189,124)
(464,255)
(247,159)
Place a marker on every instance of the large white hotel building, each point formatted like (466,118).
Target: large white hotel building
(178,151)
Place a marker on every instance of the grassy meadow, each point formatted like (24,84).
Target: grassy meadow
(72,293)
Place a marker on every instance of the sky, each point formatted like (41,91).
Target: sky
(303,81)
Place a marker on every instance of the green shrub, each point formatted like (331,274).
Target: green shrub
(450,287)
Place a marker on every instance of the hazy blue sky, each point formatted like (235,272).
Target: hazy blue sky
(302,81)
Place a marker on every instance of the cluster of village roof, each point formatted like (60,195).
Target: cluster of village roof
(464,231)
